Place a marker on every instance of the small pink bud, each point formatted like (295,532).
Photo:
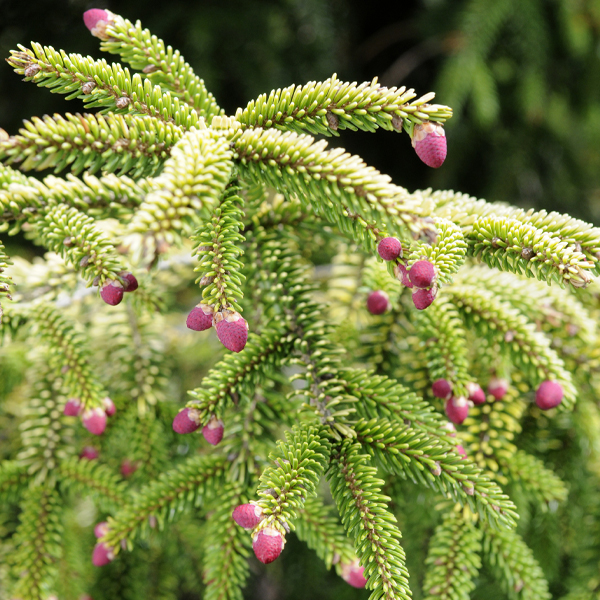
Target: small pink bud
(389,248)
(476,394)
(109,406)
(267,545)
(72,407)
(549,395)
(112,293)
(101,529)
(94,420)
(247,516)
(429,142)
(213,432)
(130,283)
(460,450)
(200,318)
(186,421)
(128,468)
(102,555)
(96,20)
(232,330)
(354,574)
(457,409)
(450,428)
(441,388)
(402,275)
(377,302)
(422,274)
(422,299)
(498,387)
(89,453)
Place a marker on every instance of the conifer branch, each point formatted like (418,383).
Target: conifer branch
(323,108)
(5,282)
(362,506)
(453,559)
(216,244)
(514,565)
(123,143)
(162,65)
(190,185)
(14,476)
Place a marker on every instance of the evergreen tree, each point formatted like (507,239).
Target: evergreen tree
(375,320)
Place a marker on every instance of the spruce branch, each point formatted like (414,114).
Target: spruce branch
(14,476)
(161,65)
(5,282)
(100,85)
(323,108)
(123,143)
(37,544)
(190,185)
(363,509)
(529,349)
(514,565)
(453,559)
(217,246)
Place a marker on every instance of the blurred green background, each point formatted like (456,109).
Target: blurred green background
(523,77)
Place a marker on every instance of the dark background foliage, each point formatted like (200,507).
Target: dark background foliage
(523,77)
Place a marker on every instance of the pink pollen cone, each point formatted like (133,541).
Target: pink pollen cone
(72,407)
(429,142)
(460,450)
(247,516)
(213,432)
(476,394)
(89,453)
(354,575)
(422,299)
(102,555)
(232,330)
(267,545)
(402,275)
(200,318)
(186,421)
(422,274)
(389,248)
(498,387)
(109,406)
(92,16)
(94,420)
(101,529)
(128,468)
(377,302)
(130,283)
(112,293)
(457,409)
(441,388)
(549,395)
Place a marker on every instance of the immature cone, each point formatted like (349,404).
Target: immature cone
(72,407)
(109,406)
(130,283)
(354,574)
(247,516)
(377,302)
(232,330)
(94,420)
(460,450)
(102,555)
(213,432)
(112,293)
(128,468)
(267,545)
(186,421)
(498,387)
(200,318)
(389,248)
(457,409)
(549,395)
(422,299)
(422,274)
(429,142)
(101,529)
(89,453)
(476,394)
(402,275)
(96,21)
(441,388)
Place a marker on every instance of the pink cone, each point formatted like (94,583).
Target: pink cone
(247,516)
(267,545)
(128,468)
(429,142)
(441,388)
(213,432)
(460,450)
(377,302)
(72,407)
(422,299)
(422,274)
(389,248)
(549,395)
(109,406)
(112,293)
(130,283)
(186,421)
(89,453)
(457,409)
(354,574)
(476,394)
(498,387)
(102,555)
(94,420)
(101,529)
(402,275)
(232,330)
(200,318)
(92,16)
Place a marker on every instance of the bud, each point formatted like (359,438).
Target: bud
(402,275)
(498,387)
(424,298)
(109,406)
(267,545)
(247,516)
(389,248)
(112,293)
(354,574)
(130,283)
(377,302)
(128,468)
(232,330)
(457,409)
(200,317)
(96,20)
(213,432)
(422,274)
(429,142)
(441,388)
(186,421)
(89,453)
(476,394)
(549,395)
(101,529)
(72,407)
(94,420)
(102,555)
